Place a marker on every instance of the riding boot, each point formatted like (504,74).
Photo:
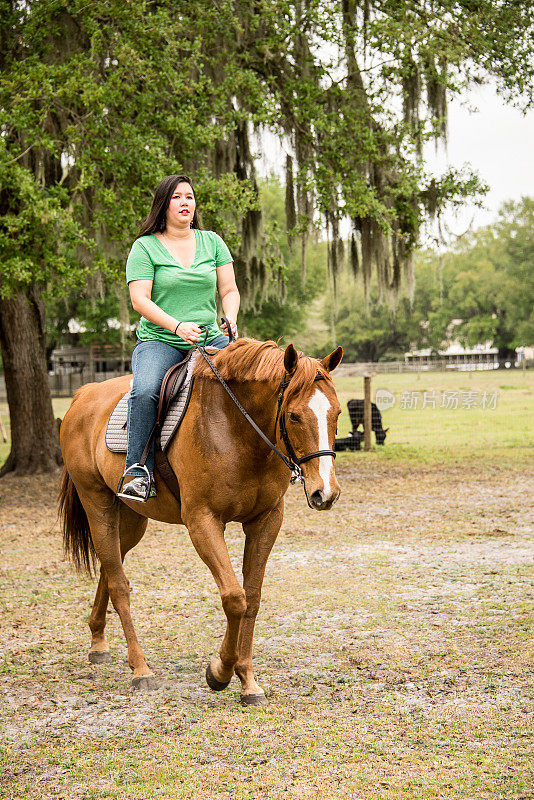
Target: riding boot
(140,489)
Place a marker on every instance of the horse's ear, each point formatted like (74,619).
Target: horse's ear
(291,358)
(332,361)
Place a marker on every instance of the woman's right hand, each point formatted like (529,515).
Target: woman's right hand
(189,332)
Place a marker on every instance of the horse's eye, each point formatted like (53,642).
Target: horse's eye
(294,417)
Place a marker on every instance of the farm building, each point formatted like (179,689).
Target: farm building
(454,356)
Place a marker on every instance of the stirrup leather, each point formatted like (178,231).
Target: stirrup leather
(129,472)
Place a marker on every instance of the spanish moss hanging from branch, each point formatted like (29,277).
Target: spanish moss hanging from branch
(291,213)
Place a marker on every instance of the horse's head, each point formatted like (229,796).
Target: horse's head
(310,416)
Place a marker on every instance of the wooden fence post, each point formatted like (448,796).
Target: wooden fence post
(367,412)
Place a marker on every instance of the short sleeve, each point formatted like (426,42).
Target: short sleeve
(139,265)
(222,253)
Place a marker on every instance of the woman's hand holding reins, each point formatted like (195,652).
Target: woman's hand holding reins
(233,326)
(189,332)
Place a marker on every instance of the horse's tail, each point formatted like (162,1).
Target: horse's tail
(77,541)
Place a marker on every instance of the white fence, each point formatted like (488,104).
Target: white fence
(386,367)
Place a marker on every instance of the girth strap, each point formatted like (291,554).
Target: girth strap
(164,468)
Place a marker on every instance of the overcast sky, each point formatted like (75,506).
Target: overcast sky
(496,139)
(498,142)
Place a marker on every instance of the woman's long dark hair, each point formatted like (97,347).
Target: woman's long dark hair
(156,221)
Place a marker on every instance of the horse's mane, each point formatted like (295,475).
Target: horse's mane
(250,360)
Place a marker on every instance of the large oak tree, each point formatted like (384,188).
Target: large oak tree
(99,101)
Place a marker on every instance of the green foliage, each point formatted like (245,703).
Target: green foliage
(373,333)
(99,101)
(98,315)
(485,285)
(282,314)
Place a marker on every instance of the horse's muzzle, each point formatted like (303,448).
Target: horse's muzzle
(317,500)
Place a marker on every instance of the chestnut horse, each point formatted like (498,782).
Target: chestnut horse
(226,473)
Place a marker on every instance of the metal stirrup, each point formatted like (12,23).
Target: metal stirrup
(128,471)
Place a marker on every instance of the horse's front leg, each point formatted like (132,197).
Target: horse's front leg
(260,538)
(207,535)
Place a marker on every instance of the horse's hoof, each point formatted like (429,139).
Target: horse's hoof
(254,699)
(145,683)
(99,656)
(212,681)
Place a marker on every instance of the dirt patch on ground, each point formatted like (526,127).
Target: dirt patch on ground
(394,641)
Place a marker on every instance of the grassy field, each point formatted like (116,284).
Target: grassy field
(395,639)
(503,429)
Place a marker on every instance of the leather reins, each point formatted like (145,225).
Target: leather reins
(292,461)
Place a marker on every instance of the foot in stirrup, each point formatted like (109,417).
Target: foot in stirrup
(140,488)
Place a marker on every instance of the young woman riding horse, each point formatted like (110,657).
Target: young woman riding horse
(225,469)
(173,271)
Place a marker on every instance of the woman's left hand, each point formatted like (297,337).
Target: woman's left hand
(233,326)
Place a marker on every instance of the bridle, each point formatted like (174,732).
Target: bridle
(292,461)
(280,421)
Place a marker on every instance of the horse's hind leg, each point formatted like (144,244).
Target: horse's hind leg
(132,528)
(104,516)
(99,651)
(260,538)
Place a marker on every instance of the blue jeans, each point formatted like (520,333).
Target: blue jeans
(150,361)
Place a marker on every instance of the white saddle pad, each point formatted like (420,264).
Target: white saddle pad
(116,433)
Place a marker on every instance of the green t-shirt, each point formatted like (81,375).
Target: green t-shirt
(186,294)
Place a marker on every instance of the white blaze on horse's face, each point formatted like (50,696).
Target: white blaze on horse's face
(320,404)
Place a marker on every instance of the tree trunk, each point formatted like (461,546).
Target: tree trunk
(34,431)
